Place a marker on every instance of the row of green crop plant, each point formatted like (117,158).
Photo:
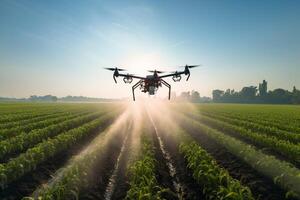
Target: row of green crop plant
(274,113)
(27,140)
(19,108)
(254,125)
(282,147)
(285,148)
(47,115)
(16,108)
(37,124)
(30,120)
(282,173)
(42,109)
(215,181)
(264,120)
(277,115)
(21,114)
(15,131)
(267,130)
(30,160)
(284,124)
(76,177)
(143,182)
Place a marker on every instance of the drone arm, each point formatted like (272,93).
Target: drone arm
(173,74)
(168,86)
(134,87)
(126,76)
(131,76)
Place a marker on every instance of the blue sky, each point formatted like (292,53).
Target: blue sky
(60,47)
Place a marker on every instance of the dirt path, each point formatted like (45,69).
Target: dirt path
(118,175)
(183,183)
(110,170)
(110,179)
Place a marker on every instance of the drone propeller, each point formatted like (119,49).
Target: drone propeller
(113,69)
(157,71)
(187,71)
(191,66)
(116,72)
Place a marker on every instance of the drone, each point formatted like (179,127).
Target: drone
(152,82)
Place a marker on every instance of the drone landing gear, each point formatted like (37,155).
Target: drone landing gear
(139,83)
(168,86)
(134,87)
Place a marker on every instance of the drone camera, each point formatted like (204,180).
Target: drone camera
(127,79)
(176,78)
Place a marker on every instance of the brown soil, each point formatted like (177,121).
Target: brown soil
(190,189)
(103,169)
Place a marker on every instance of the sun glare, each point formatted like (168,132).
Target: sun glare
(140,62)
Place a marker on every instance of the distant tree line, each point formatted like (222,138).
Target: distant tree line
(252,94)
(85,99)
(48,98)
(191,96)
(51,98)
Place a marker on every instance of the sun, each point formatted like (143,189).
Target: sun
(140,63)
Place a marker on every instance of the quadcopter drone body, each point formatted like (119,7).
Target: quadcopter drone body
(151,83)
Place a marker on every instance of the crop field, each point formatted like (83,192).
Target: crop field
(149,150)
